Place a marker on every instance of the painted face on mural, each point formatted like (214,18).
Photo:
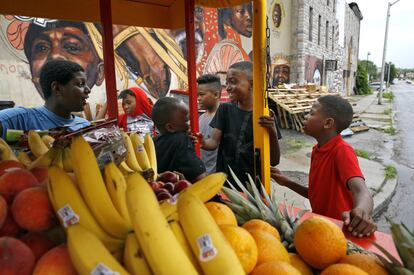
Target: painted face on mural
(281,74)
(241,19)
(66,43)
(277,15)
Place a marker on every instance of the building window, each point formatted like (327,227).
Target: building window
(327,35)
(319,29)
(310,23)
(333,38)
(327,3)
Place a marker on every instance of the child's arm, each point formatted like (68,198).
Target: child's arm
(359,220)
(268,122)
(212,143)
(284,181)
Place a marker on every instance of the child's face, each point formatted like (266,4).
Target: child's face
(239,86)
(179,120)
(128,104)
(316,121)
(207,97)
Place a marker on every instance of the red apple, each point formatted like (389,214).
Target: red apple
(163,196)
(169,186)
(155,185)
(9,165)
(181,185)
(168,177)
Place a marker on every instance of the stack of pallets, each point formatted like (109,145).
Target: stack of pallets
(293,104)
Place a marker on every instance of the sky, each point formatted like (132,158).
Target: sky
(400,47)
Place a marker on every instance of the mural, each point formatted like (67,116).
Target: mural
(313,70)
(154,59)
(280,70)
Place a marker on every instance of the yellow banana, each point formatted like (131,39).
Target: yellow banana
(93,189)
(152,231)
(57,161)
(125,168)
(214,253)
(71,208)
(205,189)
(140,153)
(88,254)
(44,160)
(24,158)
(131,160)
(36,144)
(134,259)
(151,153)
(116,186)
(179,234)
(48,141)
(6,153)
(67,160)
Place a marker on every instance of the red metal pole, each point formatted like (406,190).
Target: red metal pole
(108,53)
(191,67)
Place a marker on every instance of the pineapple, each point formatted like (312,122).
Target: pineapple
(404,242)
(257,204)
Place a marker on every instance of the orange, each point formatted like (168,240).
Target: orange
(243,244)
(275,268)
(343,269)
(269,248)
(368,263)
(320,242)
(297,262)
(262,225)
(221,213)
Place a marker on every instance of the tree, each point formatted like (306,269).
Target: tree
(362,80)
(393,72)
(370,67)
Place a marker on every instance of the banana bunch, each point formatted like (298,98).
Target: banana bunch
(141,156)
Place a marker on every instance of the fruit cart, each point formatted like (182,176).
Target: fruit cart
(171,14)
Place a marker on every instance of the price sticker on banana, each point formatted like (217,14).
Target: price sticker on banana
(207,249)
(68,216)
(101,269)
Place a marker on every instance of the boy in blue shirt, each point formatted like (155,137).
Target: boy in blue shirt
(64,87)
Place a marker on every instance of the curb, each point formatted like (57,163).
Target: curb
(389,187)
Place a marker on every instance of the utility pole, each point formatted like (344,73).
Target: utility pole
(385,51)
(366,65)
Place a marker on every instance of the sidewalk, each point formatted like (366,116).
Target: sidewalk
(296,149)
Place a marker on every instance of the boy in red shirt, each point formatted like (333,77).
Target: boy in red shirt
(336,184)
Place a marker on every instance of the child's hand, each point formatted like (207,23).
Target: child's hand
(277,175)
(359,222)
(268,122)
(196,138)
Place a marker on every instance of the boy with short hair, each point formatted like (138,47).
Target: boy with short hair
(175,149)
(336,184)
(209,90)
(233,126)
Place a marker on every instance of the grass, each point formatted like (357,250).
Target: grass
(388,112)
(388,95)
(390,130)
(363,154)
(390,172)
(297,144)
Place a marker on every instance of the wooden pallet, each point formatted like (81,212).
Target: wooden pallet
(293,104)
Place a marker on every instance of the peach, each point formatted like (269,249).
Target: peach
(9,165)
(3,211)
(55,261)
(39,243)
(15,257)
(12,182)
(32,209)
(41,173)
(10,227)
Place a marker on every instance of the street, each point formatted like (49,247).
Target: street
(400,207)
